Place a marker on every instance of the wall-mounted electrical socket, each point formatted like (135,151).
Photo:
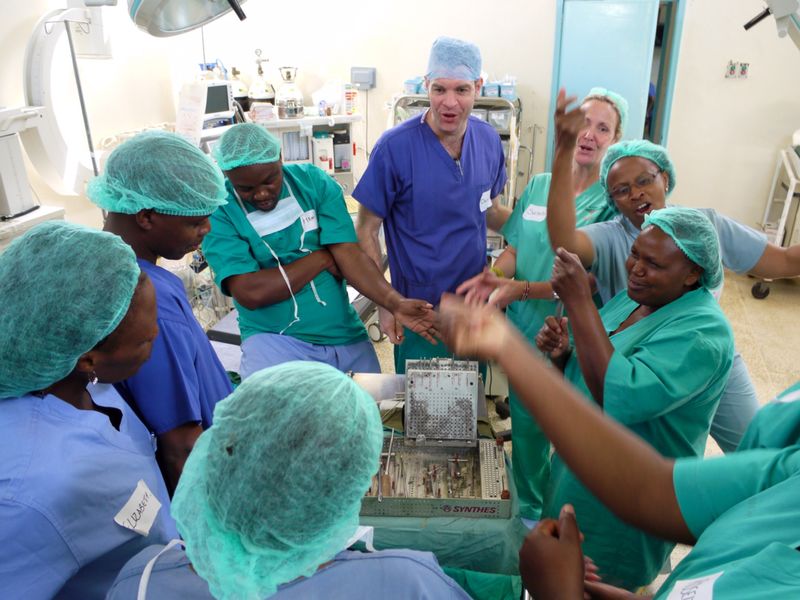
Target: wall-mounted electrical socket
(744,69)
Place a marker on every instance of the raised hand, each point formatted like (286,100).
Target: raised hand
(416,315)
(570,280)
(553,337)
(488,287)
(390,328)
(480,331)
(568,121)
(476,290)
(551,560)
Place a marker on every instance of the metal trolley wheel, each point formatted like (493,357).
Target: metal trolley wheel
(760,290)
(374,332)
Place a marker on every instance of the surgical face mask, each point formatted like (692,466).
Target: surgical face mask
(286,212)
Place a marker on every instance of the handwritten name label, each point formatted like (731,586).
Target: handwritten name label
(701,588)
(140,511)
(535,213)
(486,200)
(309,220)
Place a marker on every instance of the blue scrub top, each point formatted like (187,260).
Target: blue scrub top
(183,380)
(64,474)
(431,204)
(741,249)
(396,574)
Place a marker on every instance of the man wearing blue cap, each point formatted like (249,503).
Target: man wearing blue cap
(434,183)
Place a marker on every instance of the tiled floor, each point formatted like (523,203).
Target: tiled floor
(767,333)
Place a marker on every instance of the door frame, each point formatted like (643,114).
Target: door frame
(666,78)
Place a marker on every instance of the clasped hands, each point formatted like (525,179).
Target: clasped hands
(574,288)
(553,567)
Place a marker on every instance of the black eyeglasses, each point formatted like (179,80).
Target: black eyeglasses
(623,192)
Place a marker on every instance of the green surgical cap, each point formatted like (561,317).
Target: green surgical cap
(63,288)
(273,488)
(246,144)
(454,59)
(695,235)
(161,171)
(644,148)
(618,101)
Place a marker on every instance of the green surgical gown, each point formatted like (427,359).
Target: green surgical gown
(777,424)
(233,247)
(663,382)
(743,509)
(526,232)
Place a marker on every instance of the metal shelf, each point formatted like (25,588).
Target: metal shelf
(406,106)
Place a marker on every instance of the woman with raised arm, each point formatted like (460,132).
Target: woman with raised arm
(520,278)
(740,511)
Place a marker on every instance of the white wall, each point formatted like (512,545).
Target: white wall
(131,91)
(136,88)
(725,133)
(515,37)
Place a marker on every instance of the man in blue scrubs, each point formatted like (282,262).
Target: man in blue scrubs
(434,182)
(159,191)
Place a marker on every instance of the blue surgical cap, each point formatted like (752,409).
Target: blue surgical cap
(273,488)
(63,289)
(454,59)
(616,100)
(696,237)
(246,144)
(643,148)
(161,171)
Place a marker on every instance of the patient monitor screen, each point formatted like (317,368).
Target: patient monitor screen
(217,99)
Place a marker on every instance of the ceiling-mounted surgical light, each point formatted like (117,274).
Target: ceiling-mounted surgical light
(163,18)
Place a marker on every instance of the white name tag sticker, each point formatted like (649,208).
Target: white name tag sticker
(486,200)
(309,220)
(140,511)
(701,588)
(790,397)
(535,213)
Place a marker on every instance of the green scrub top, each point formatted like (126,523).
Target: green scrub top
(663,382)
(777,424)
(233,247)
(526,231)
(743,509)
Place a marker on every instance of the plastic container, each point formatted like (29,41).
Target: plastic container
(410,86)
(508,91)
(491,89)
(480,113)
(322,151)
(500,119)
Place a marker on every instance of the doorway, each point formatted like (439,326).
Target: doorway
(629,46)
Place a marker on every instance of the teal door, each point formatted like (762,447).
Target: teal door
(606,43)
